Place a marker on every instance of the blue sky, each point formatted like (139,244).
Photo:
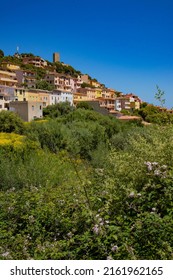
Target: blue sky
(125,44)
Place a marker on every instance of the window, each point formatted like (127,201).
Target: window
(40,107)
(32,107)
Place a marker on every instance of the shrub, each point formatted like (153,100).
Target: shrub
(11,122)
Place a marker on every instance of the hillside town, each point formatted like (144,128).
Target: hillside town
(20,91)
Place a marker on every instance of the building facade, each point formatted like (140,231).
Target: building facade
(58,96)
(26,78)
(60,81)
(27,110)
(127,102)
(37,95)
(8,78)
(36,61)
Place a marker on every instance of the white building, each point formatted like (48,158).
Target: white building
(58,96)
(6,95)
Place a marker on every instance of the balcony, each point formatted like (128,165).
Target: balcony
(8,79)
(110,106)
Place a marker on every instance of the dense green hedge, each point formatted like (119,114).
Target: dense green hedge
(87,187)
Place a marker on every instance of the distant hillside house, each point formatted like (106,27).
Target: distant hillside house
(58,96)
(127,102)
(37,61)
(27,110)
(109,93)
(95,83)
(79,81)
(37,95)
(9,66)
(8,78)
(78,97)
(7,94)
(91,93)
(107,102)
(26,78)
(9,91)
(5,99)
(60,81)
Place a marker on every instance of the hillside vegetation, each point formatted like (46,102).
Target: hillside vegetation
(79,185)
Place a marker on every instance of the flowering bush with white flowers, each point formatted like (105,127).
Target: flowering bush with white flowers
(92,188)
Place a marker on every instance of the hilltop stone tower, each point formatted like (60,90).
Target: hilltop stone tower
(56,57)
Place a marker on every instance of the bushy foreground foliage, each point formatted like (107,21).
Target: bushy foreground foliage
(11,122)
(88,188)
(153,114)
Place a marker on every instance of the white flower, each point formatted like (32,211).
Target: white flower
(164,166)
(157,172)
(31,219)
(70,234)
(114,248)
(132,194)
(96,229)
(150,168)
(5,254)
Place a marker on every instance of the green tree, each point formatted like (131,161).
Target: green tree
(84,85)
(27,55)
(148,111)
(44,85)
(160,96)
(59,109)
(126,112)
(1,54)
(84,105)
(11,122)
(143,104)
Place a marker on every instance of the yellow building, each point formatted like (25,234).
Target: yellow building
(91,93)
(44,96)
(108,93)
(98,93)
(95,83)
(34,95)
(9,66)
(8,78)
(78,96)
